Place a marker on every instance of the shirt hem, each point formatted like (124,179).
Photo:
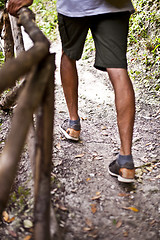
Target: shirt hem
(79,14)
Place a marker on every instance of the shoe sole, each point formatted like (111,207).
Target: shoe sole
(121,179)
(67,135)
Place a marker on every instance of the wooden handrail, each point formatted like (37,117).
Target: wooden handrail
(37,93)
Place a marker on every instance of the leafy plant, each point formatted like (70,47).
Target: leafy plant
(46,17)
(1,58)
(144,43)
(2,4)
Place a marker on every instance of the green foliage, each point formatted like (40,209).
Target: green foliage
(1,58)
(144,43)
(2,4)
(144,23)
(19,198)
(46,17)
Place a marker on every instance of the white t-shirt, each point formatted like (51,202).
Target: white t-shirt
(81,8)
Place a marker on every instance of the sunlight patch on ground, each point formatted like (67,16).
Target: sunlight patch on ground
(95,91)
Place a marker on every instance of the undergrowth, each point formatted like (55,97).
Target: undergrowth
(144,45)
(46,17)
(2,4)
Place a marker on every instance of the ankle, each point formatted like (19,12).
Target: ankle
(125,152)
(74,117)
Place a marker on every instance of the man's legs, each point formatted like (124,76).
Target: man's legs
(69,78)
(125,107)
(123,166)
(73,32)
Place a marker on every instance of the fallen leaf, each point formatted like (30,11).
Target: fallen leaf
(93,208)
(86,229)
(99,157)
(79,155)
(97,196)
(125,234)
(98,193)
(123,194)
(28,237)
(119,224)
(6,217)
(153,222)
(131,208)
(88,179)
(61,207)
(93,233)
(89,222)
(12,233)
(149,169)
(58,146)
(11,219)
(148,144)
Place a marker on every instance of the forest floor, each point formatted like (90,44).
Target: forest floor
(88,202)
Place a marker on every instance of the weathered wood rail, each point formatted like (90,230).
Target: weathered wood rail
(36,97)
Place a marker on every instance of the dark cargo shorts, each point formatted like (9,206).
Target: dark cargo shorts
(109,32)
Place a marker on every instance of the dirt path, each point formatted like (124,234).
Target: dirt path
(89,203)
(97,206)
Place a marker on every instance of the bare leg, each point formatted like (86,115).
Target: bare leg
(125,107)
(69,78)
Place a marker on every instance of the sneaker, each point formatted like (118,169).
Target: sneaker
(125,173)
(71,129)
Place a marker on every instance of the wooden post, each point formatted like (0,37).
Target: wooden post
(31,143)
(27,103)
(43,159)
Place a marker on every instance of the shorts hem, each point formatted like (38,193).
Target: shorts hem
(70,55)
(104,68)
